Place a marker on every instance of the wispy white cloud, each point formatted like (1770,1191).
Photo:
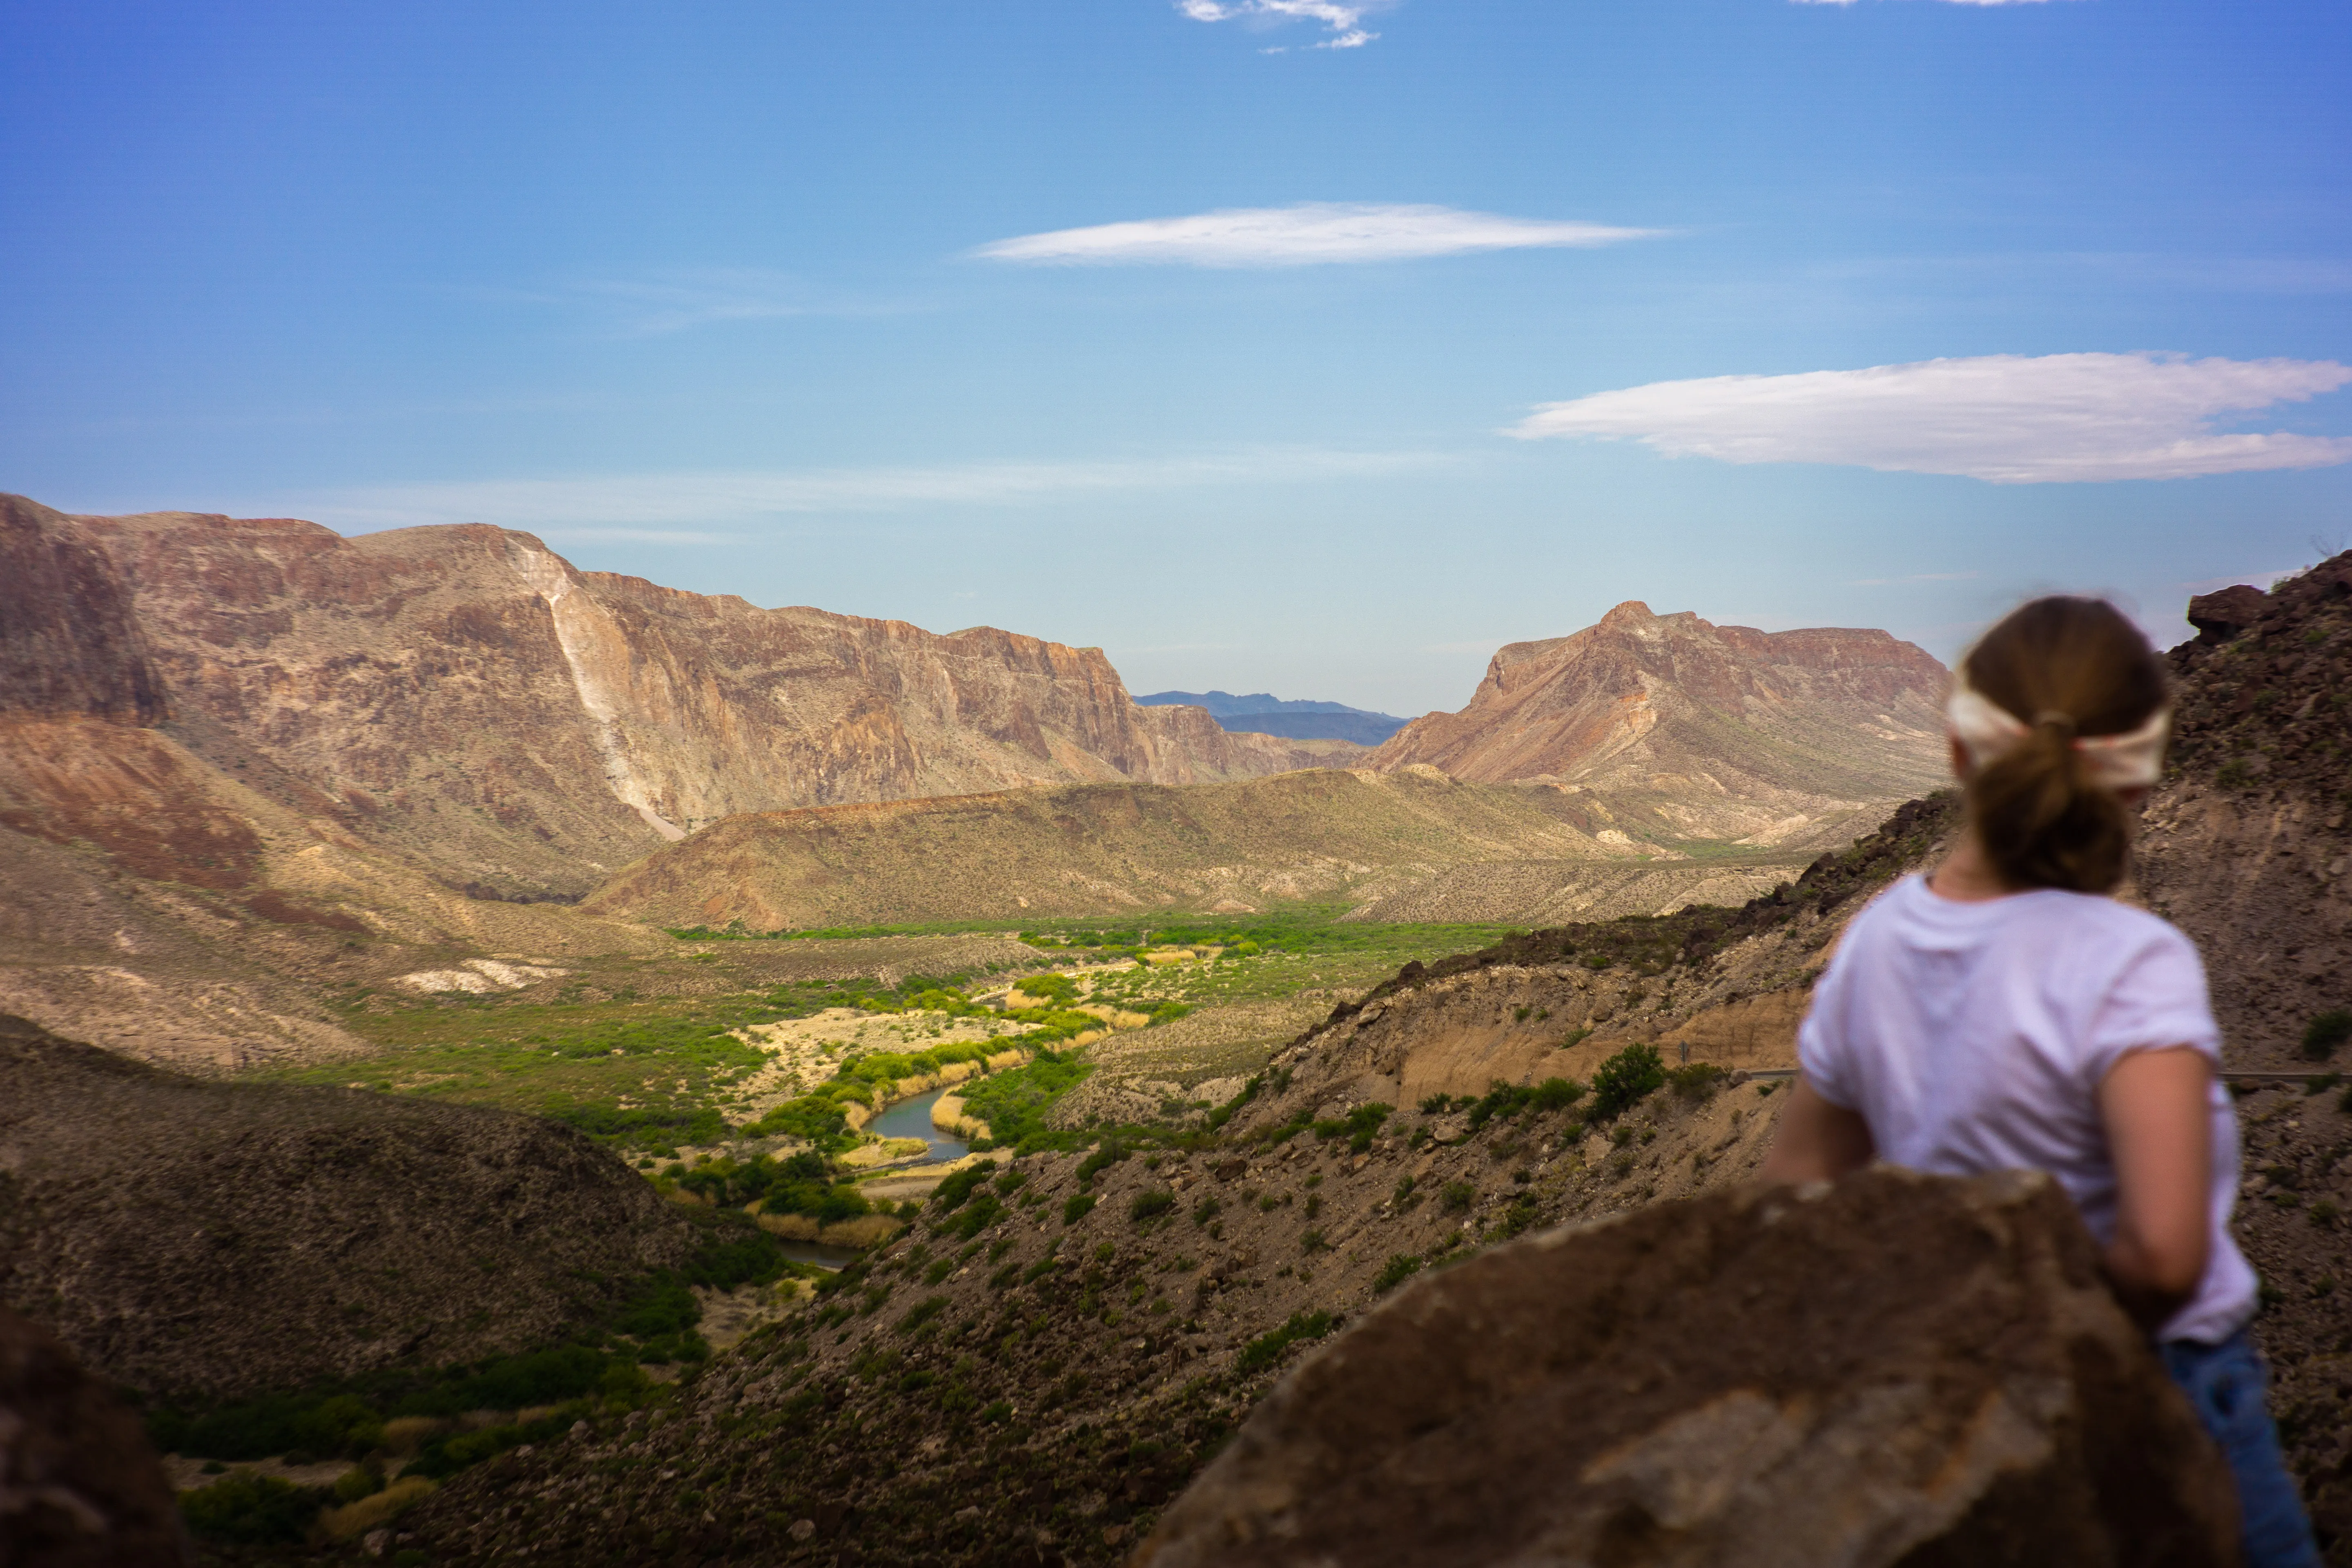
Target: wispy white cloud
(652,505)
(679,301)
(1302,235)
(2005,418)
(1345,21)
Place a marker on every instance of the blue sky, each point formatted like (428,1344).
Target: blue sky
(1261,363)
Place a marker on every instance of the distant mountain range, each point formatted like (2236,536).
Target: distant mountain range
(1263,713)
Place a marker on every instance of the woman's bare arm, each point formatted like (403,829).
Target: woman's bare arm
(2160,1139)
(1817,1142)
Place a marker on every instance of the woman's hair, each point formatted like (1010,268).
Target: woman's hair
(2065,666)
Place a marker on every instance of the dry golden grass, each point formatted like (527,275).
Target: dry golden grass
(359,1518)
(404,1435)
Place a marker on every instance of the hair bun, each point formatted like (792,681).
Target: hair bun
(2061,722)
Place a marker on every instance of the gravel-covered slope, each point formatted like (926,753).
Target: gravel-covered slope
(194,1236)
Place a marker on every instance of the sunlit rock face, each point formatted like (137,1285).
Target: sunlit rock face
(1681,727)
(1897,1370)
(464,694)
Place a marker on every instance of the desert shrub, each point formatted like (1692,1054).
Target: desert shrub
(1697,1080)
(1050,987)
(1625,1080)
(1357,1127)
(1102,1158)
(1078,1207)
(1267,1348)
(1313,1242)
(2326,1033)
(1457,1197)
(1207,1209)
(1558,1093)
(922,1312)
(253,1510)
(1149,1204)
(1012,1182)
(983,1212)
(1400,1267)
(950,1195)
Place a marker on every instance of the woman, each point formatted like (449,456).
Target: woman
(2005,1013)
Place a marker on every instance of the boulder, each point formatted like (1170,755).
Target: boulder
(79,1486)
(1894,1369)
(2220,616)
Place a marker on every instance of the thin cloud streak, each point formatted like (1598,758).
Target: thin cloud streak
(2003,419)
(632,502)
(1309,233)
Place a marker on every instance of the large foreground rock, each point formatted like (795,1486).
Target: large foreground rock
(80,1488)
(1895,1370)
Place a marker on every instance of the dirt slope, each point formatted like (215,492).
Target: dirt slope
(1412,840)
(187,1236)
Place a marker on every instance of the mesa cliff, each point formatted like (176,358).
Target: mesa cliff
(464,694)
(1695,730)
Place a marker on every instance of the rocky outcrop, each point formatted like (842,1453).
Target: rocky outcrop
(79,1486)
(466,696)
(2246,844)
(1683,729)
(191,1236)
(1899,1369)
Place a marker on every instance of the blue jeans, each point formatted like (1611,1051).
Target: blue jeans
(2225,1383)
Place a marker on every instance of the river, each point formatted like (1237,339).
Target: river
(912,1118)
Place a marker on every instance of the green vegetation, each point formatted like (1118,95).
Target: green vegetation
(1400,1267)
(2326,1033)
(651,1319)
(800,1184)
(635,1073)
(1014,1103)
(1268,1347)
(251,1510)
(1625,1080)
(1357,1127)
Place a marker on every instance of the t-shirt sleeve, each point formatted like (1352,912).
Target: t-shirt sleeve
(1825,1047)
(2157,1001)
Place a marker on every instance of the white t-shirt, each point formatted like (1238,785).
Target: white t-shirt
(1973,1037)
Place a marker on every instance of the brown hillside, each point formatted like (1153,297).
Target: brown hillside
(1691,729)
(1412,843)
(174,1231)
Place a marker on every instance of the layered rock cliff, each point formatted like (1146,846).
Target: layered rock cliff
(1692,730)
(468,695)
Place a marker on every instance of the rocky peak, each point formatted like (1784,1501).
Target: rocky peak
(1675,704)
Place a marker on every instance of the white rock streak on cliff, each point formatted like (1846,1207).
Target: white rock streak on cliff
(586,632)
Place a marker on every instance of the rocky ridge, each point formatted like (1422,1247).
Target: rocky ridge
(1684,727)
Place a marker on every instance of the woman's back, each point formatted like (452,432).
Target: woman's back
(1973,1036)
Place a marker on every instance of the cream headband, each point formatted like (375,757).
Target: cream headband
(1987,729)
